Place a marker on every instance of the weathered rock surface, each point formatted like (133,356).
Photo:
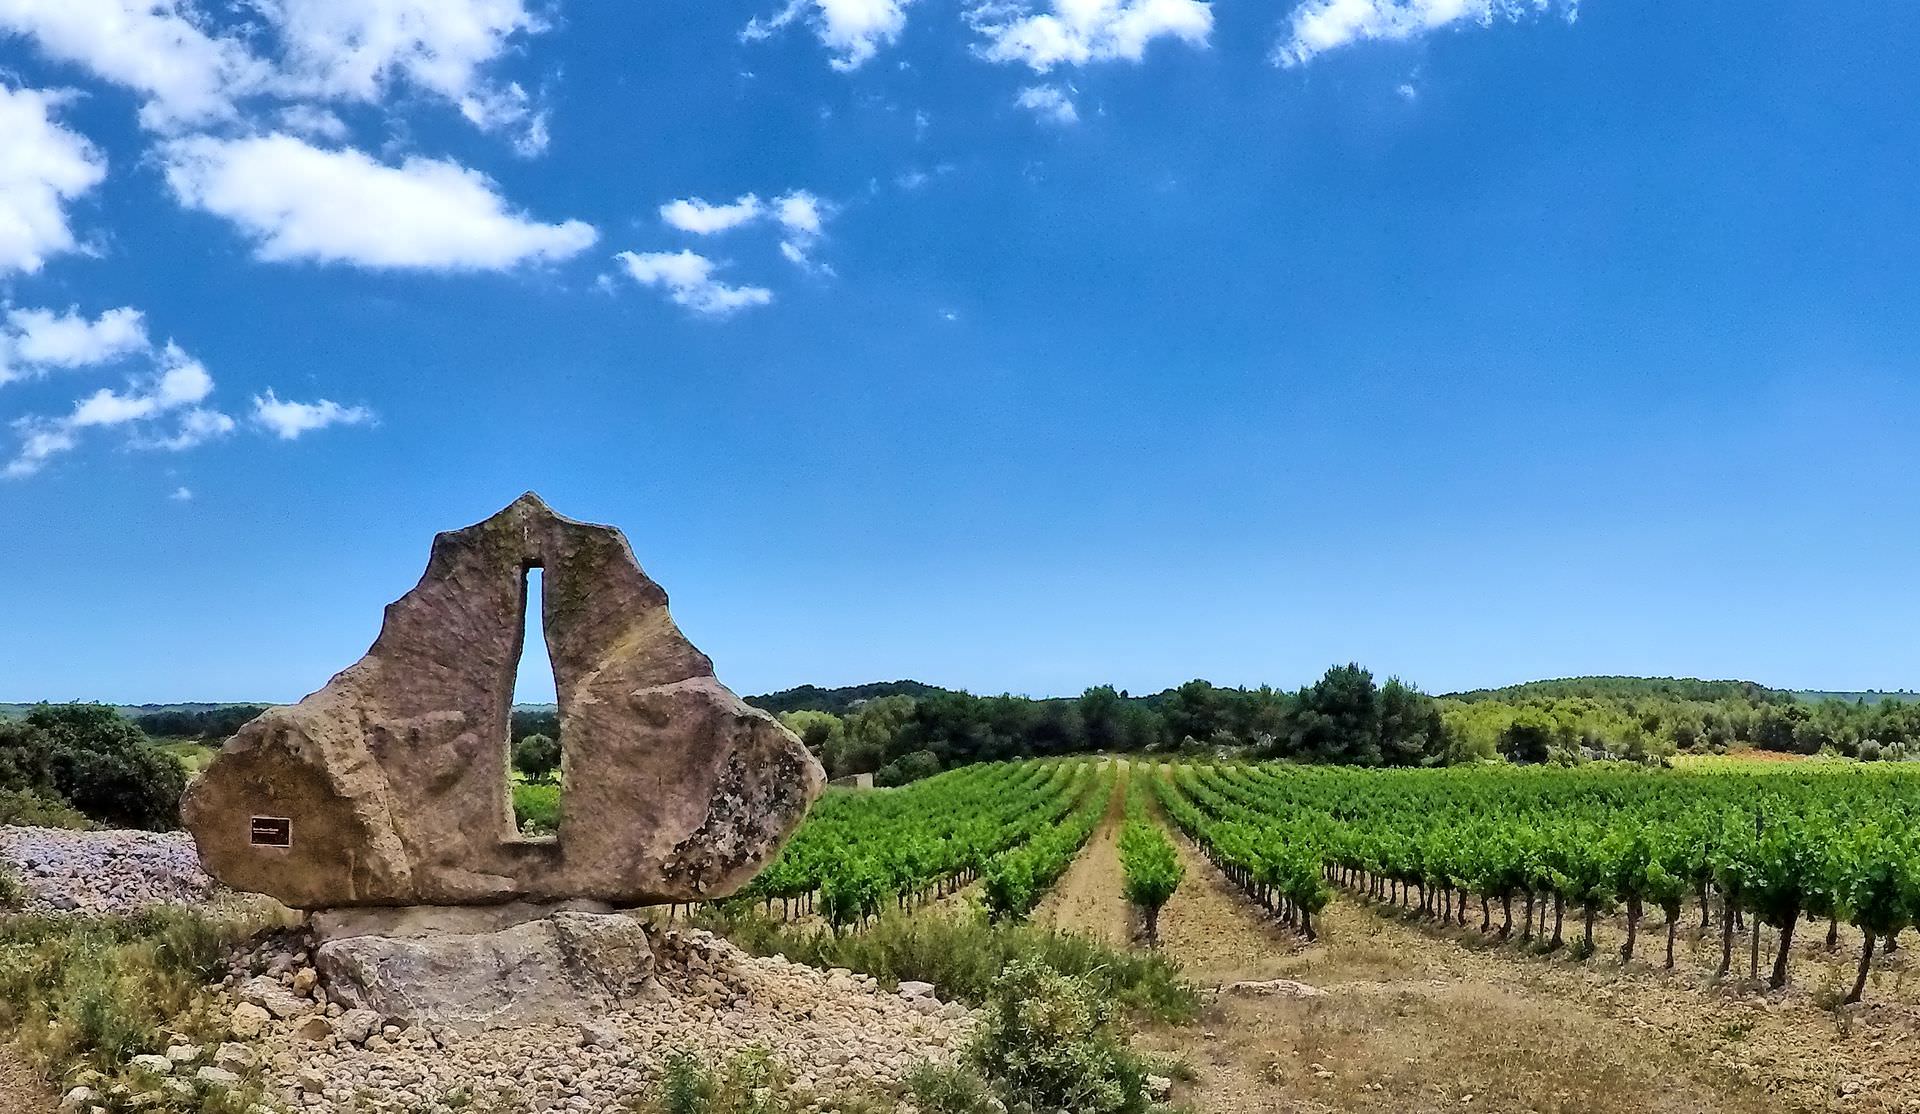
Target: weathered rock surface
(393,777)
(103,872)
(556,969)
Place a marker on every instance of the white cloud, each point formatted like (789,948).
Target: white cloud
(1076,32)
(289,420)
(33,341)
(178,384)
(1318,26)
(42,167)
(1048,103)
(688,279)
(298,201)
(804,217)
(359,49)
(702,218)
(313,122)
(181,495)
(854,30)
(196,427)
(154,47)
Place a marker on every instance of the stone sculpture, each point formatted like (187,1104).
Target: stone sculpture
(388,787)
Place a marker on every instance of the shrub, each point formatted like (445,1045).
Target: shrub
(95,760)
(1051,1042)
(964,955)
(12,894)
(906,768)
(1153,870)
(537,756)
(949,1090)
(20,807)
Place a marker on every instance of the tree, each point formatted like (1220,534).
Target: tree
(1529,738)
(537,757)
(1338,718)
(95,759)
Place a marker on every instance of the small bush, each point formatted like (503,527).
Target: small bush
(1052,1042)
(949,1090)
(752,1082)
(907,768)
(20,807)
(964,955)
(12,894)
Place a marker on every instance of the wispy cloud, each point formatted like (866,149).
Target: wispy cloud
(1319,26)
(688,280)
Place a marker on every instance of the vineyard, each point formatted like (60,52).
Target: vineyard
(1748,849)
(1536,856)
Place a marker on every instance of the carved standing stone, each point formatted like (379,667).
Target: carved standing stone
(392,780)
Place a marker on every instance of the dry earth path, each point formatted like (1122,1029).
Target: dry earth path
(1087,897)
(21,1090)
(1408,1021)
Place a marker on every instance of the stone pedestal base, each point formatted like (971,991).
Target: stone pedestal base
(477,968)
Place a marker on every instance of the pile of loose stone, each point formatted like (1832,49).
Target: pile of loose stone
(835,1032)
(104,872)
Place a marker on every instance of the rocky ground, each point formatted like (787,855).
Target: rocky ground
(833,1032)
(104,872)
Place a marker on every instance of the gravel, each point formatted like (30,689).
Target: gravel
(834,1032)
(104,872)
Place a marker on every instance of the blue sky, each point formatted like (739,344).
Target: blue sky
(1007,345)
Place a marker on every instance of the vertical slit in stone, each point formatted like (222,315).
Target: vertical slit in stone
(535,775)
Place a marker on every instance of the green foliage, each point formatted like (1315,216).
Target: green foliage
(1150,866)
(99,990)
(949,1090)
(1052,1042)
(536,808)
(210,724)
(860,852)
(962,956)
(1014,880)
(907,768)
(95,760)
(537,757)
(12,893)
(752,1082)
(27,809)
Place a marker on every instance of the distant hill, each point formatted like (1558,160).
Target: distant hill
(1815,696)
(839,701)
(1622,688)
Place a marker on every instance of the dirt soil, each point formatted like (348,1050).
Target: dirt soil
(1415,1018)
(21,1090)
(1088,897)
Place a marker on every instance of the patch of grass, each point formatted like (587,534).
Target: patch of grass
(92,992)
(17,806)
(949,1090)
(963,956)
(192,753)
(752,1082)
(536,807)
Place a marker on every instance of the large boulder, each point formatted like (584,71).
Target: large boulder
(389,785)
(559,968)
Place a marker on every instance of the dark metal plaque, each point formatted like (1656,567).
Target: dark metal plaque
(272,831)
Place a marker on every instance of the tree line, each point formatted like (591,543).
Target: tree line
(1345,717)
